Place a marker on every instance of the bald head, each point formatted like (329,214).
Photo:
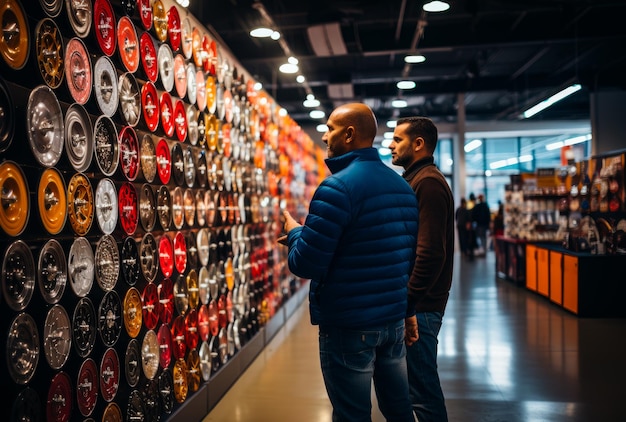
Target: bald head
(361,119)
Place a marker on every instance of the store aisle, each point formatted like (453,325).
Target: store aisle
(506,355)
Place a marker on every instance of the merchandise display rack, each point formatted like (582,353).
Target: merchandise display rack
(142,181)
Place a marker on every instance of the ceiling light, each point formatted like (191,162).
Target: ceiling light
(311,103)
(472,145)
(391,123)
(282,112)
(275,35)
(386,142)
(258,86)
(415,58)
(406,85)
(317,114)
(289,68)
(399,103)
(388,135)
(571,141)
(261,32)
(384,151)
(436,6)
(183,3)
(292,60)
(299,79)
(321,128)
(553,99)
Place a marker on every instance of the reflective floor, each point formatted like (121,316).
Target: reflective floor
(505,354)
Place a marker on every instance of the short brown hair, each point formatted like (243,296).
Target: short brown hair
(421,127)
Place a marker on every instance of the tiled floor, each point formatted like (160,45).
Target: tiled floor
(505,355)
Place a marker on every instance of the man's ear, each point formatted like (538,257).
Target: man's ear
(419,143)
(349,134)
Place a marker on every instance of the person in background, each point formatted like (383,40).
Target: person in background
(498,222)
(463,218)
(414,142)
(481,216)
(357,245)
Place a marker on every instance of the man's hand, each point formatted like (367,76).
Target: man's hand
(289,224)
(410,330)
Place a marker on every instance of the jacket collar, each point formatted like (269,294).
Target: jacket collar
(337,164)
(417,166)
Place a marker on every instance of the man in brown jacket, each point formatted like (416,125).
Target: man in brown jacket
(414,141)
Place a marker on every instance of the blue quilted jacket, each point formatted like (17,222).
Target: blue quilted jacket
(357,244)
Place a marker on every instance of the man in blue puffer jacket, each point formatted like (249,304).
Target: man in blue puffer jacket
(357,246)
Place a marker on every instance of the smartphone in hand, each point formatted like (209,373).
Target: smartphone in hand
(282,239)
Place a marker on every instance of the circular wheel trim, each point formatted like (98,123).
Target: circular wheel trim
(104,25)
(145,13)
(186,38)
(164,206)
(105,86)
(147,207)
(80,204)
(205,361)
(151,306)
(178,166)
(127,201)
(84,327)
(180,75)
(14,44)
(130,261)
(129,99)
(18,275)
(150,355)
(189,207)
(15,199)
(179,375)
(106,146)
(191,83)
(135,410)
(7,124)
(129,152)
(192,124)
(80,266)
(166,66)
(166,301)
(109,318)
(179,347)
(80,15)
(164,166)
(57,337)
(132,362)
(193,370)
(107,260)
(51,8)
(166,253)
(78,132)
(45,126)
(166,391)
(173,28)
(109,376)
(52,271)
(78,70)
(180,120)
(167,114)
(150,106)
(128,44)
(178,214)
(59,405)
(148,158)
(112,413)
(165,341)
(49,50)
(87,387)
(160,20)
(106,205)
(22,348)
(132,312)
(149,57)
(189,167)
(52,201)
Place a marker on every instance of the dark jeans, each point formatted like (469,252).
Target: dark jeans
(424,386)
(350,359)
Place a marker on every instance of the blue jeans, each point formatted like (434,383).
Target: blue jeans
(350,359)
(424,386)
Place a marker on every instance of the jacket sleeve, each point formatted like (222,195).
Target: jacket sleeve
(431,239)
(312,246)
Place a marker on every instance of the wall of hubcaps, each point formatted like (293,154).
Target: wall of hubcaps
(142,183)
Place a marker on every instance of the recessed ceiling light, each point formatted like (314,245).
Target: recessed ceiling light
(183,3)
(311,103)
(399,103)
(292,60)
(317,114)
(258,86)
(415,58)
(289,68)
(261,32)
(275,35)
(436,6)
(300,79)
(406,85)
(391,123)
(386,142)
(321,128)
